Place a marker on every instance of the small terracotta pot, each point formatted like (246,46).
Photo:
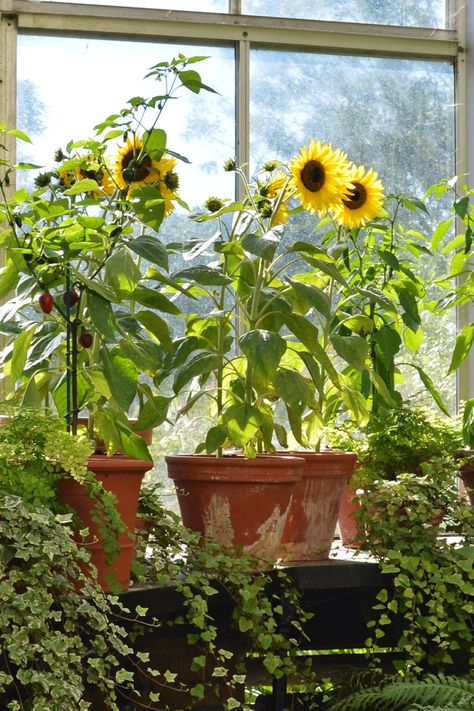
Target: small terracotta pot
(146,435)
(236,501)
(123,477)
(312,518)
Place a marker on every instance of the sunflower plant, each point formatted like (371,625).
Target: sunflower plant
(85,273)
(379,259)
(264,353)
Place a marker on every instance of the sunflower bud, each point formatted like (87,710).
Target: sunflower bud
(213,204)
(230,165)
(42,180)
(172,180)
(270,166)
(59,156)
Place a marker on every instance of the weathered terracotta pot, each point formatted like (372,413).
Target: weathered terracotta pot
(123,477)
(312,518)
(236,501)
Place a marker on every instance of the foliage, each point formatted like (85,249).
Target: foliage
(36,452)
(56,634)
(431,693)
(428,612)
(84,241)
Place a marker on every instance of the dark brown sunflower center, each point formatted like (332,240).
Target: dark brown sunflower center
(136,171)
(357,198)
(313,176)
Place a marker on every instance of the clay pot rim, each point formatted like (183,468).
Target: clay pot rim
(237,468)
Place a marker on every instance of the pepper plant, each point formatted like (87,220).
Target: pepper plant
(85,273)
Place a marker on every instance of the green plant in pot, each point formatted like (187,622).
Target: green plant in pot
(84,281)
(264,355)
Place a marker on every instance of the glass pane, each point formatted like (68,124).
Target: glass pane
(422,13)
(394,115)
(204,5)
(66,87)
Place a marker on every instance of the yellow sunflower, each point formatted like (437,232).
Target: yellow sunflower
(88,167)
(365,200)
(273,192)
(320,176)
(133,167)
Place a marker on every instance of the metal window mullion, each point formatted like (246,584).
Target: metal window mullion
(242,104)
(464,18)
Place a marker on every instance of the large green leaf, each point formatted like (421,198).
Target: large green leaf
(85,392)
(20,352)
(9,277)
(83,186)
(462,347)
(197,363)
(154,142)
(102,315)
(151,249)
(122,377)
(360,323)
(263,350)
(146,354)
(431,387)
(155,300)
(387,344)
(215,438)
(353,349)
(263,247)
(243,422)
(308,296)
(293,388)
(157,326)
(122,273)
(304,330)
(149,206)
(203,275)
(153,412)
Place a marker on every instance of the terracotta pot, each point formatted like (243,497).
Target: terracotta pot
(312,518)
(236,501)
(467,477)
(348,524)
(123,477)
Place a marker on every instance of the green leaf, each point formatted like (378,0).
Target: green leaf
(304,330)
(360,324)
(149,206)
(83,186)
(122,377)
(263,247)
(157,326)
(461,206)
(243,422)
(198,362)
(151,249)
(154,142)
(9,277)
(440,232)
(387,345)
(353,349)
(309,296)
(462,347)
(122,273)
(430,386)
(19,134)
(411,317)
(413,340)
(215,438)
(203,275)
(132,444)
(292,387)
(85,391)
(102,315)
(155,300)
(263,350)
(153,412)
(21,345)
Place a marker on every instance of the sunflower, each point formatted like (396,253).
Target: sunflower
(365,200)
(273,192)
(88,167)
(133,167)
(320,176)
